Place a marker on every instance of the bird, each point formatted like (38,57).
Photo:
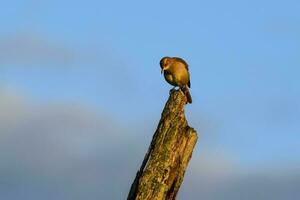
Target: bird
(176,73)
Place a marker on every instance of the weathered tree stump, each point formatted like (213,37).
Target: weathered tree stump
(164,165)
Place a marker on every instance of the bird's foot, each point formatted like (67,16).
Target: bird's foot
(172,90)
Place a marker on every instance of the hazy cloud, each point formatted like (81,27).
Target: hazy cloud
(99,61)
(281,26)
(28,49)
(67,151)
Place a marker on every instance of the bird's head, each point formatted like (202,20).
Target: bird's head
(165,63)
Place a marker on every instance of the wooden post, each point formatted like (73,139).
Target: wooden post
(164,165)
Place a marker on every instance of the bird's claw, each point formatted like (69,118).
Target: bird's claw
(172,90)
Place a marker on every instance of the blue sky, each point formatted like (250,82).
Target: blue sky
(103,56)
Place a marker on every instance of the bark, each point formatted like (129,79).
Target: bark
(164,165)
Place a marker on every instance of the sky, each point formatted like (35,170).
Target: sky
(81,95)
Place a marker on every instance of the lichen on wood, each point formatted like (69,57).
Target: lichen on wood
(166,160)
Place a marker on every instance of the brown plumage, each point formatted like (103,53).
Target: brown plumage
(176,73)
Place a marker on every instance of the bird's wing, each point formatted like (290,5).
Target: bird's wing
(182,61)
(189,84)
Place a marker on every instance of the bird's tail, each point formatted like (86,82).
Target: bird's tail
(187,94)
